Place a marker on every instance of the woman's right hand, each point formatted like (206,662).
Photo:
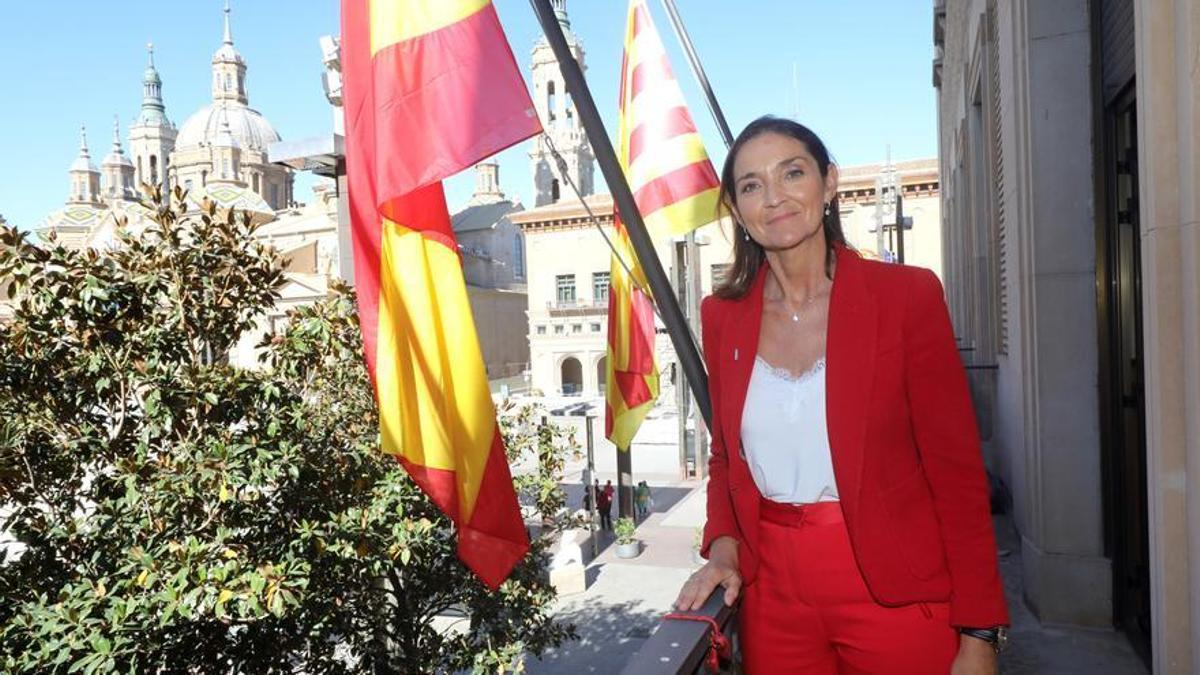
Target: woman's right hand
(720,570)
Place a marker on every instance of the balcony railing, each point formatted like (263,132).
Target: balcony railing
(678,646)
(576,308)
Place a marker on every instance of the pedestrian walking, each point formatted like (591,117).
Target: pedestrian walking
(641,500)
(604,500)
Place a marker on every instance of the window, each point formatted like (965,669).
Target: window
(154,170)
(541,330)
(565,285)
(576,328)
(718,273)
(600,287)
(550,101)
(558,330)
(518,256)
(187,184)
(254,180)
(595,327)
(554,192)
(204,177)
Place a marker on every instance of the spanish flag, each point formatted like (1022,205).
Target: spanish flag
(430,87)
(675,188)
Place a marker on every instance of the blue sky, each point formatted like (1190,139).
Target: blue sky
(861,69)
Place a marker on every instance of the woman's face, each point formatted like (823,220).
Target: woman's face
(779,192)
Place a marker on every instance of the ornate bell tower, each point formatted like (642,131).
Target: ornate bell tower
(561,123)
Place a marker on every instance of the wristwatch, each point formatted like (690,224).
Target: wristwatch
(997,637)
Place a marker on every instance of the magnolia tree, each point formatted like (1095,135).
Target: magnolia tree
(165,511)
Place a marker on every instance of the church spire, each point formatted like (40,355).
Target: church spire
(153,110)
(85,179)
(118,170)
(228,33)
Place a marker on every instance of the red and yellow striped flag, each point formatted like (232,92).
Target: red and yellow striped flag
(675,188)
(430,87)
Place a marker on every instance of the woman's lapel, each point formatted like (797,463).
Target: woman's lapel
(740,347)
(850,370)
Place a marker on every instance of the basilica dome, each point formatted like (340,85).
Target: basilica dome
(250,129)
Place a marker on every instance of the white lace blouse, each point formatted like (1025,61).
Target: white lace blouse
(785,435)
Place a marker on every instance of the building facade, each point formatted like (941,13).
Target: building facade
(1069,138)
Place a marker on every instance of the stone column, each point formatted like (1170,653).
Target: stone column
(1058,503)
(1168,109)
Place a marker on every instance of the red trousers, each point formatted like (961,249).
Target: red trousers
(809,610)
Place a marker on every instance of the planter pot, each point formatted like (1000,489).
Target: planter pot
(630,550)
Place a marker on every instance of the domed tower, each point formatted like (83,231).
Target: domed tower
(118,170)
(200,138)
(228,69)
(85,179)
(560,121)
(152,136)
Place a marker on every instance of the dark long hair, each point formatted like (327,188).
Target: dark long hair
(749,255)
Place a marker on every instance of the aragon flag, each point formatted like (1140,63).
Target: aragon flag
(429,88)
(675,188)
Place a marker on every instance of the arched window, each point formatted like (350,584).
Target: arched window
(204,177)
(228,82)
(254,178)
(141,177)
(554,190)
(550,101)
(153,170)
(518,257)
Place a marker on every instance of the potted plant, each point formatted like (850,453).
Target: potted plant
(627,544)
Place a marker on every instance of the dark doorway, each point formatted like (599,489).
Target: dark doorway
(1126,522)
(572,376)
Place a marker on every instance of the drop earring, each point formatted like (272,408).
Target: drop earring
(745,233)
(826,209)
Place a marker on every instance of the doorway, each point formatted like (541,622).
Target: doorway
(1124,413)
(572,376)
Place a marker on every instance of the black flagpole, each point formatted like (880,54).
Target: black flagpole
(664,295)
(698,71)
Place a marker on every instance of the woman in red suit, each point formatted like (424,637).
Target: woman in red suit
(847,502)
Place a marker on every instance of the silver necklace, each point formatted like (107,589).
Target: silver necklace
(803,306)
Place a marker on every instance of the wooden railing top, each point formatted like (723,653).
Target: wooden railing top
(679,646)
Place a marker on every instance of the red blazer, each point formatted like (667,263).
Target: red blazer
(906,454)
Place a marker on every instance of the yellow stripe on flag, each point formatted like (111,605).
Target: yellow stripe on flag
(394,21)
(684,215)
(428,359)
